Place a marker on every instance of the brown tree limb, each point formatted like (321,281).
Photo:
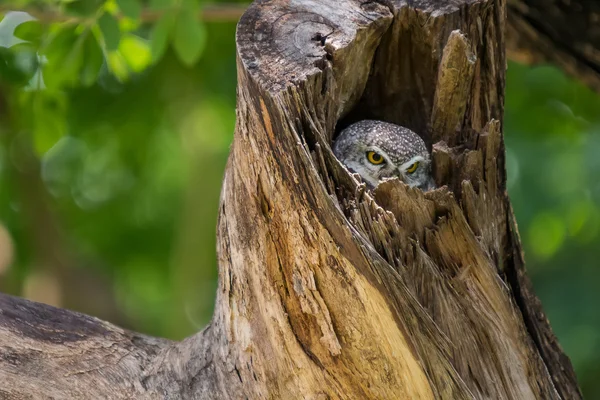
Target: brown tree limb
(563,33)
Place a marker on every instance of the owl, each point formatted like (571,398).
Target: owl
(378,150)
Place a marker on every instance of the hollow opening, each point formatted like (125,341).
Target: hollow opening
(422,78)
(390,100)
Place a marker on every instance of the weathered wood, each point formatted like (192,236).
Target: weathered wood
(46,352)
(326,290)
(455,77)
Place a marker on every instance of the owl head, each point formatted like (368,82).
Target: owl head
(377,150)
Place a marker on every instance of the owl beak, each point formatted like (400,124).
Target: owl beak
(427,185)
(400,175)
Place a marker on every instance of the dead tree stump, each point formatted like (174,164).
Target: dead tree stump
(326,290)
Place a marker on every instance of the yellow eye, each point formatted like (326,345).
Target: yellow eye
(413,167)
(375,158)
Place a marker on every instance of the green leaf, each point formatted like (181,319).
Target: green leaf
(189,5)
(160,5)
(64,56)
(50,121)
(189,38)
(30,31)
(118,65)
(159,38)
(130,8)
(93,60)
(61,41)
(82,8)
(26,59)
(136,52)
(110,31)
(18,64)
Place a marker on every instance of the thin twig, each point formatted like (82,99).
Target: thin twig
(209,13)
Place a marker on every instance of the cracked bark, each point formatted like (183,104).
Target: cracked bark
(326,290)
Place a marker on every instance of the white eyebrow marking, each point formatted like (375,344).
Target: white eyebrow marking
(410,162)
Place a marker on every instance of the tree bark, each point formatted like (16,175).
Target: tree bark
(327,290)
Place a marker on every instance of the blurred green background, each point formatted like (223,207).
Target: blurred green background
(115,124)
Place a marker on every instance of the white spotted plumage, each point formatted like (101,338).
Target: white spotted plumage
(400,148)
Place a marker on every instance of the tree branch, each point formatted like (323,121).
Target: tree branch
(562,33)
(221,12)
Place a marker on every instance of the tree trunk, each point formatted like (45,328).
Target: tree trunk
(327,290)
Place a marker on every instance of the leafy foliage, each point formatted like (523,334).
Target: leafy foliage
(84,41)
(120,114)
(96,127)
(552,128)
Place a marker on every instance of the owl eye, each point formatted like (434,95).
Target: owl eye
(412,167)
(375,158)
